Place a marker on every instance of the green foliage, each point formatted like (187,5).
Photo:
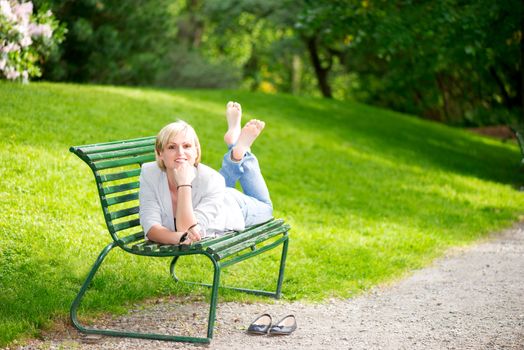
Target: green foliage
(189,69)
(112,41)
(443,60)
(370,194)
(131,42)
(256,37)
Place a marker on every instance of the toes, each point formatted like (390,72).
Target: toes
(233,107)
(259,124)
(251,122)
(255,124)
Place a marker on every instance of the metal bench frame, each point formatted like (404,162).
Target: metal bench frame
(520,139)
(120,161)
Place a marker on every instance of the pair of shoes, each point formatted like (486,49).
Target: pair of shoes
(263,325)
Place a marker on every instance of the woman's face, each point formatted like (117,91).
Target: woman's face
(180,149)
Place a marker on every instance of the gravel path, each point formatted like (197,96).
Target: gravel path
(472,298)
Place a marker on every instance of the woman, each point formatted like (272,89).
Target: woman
(182,200)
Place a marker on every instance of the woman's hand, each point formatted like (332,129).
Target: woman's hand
(184,174)
(193,233)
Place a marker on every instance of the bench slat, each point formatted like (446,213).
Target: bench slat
(132,238)
(114,146)
(121,188)
(169,248)
(139,247)
(123,161)
(123,213)
(146,246)
(151,247)
(120,175)
(206,242)
(120,199)
(126,224)
(121,153)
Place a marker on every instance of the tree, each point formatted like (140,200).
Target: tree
(327,29)
(442,59)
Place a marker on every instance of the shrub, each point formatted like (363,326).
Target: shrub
(26,39)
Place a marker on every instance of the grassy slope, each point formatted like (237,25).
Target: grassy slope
(369,193)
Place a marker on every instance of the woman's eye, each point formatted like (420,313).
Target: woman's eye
(187,146)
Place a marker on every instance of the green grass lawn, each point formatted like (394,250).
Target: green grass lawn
(370,194)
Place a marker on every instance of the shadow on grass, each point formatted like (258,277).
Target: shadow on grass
(399,137)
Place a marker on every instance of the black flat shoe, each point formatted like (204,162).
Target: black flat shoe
(285,326)
(261,325)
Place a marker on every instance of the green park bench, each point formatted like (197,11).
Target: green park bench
(116,167)
(520,139)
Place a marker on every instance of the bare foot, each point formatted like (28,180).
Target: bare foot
(233,115)
(248,135)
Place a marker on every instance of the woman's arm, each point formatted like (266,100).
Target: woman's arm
(185,217)
(149,206)
(160,234)
(210,187)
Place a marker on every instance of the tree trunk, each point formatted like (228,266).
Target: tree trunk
(296,76)
(191,26)
(502,89)
(445,96)
(320,72)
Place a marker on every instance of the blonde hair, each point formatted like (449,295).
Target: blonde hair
(167,133)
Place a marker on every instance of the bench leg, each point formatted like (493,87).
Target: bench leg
(118,333)
(277,294)
(214,290)
(282,268)
(214,297)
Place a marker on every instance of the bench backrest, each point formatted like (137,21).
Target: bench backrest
(116,166)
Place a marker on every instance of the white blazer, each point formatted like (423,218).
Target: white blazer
(214,209)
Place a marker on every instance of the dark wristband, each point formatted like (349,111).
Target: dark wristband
(183,186)
(183,238)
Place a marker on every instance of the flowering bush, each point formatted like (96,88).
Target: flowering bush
(25,39)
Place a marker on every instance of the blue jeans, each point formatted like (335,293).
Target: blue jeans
(254,202)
